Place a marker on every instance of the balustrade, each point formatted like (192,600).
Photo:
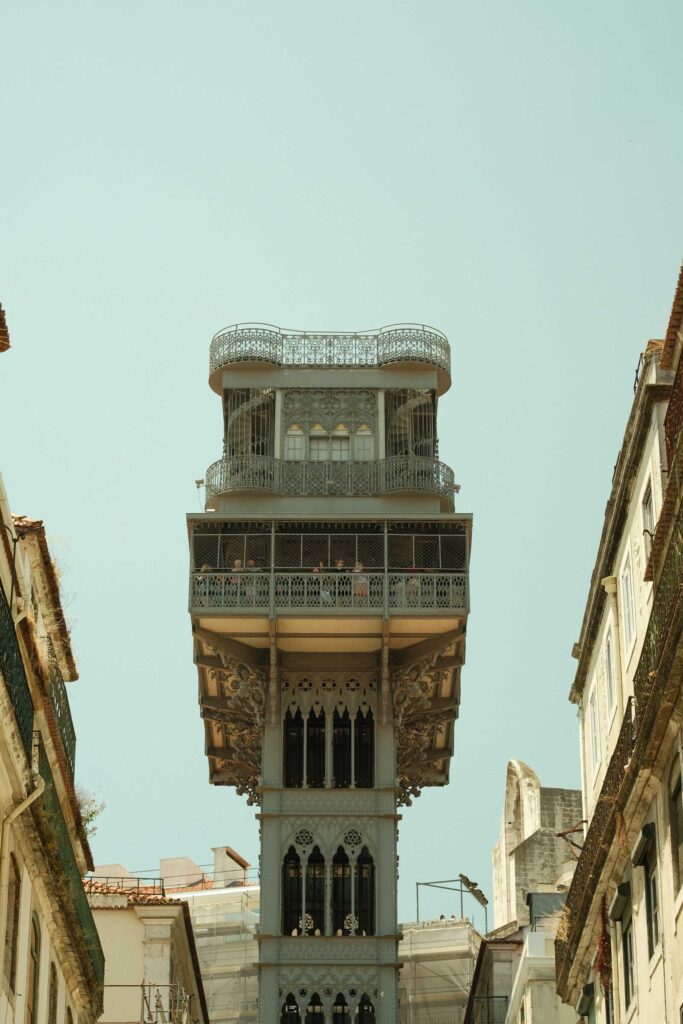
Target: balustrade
(269,344)
(280,476)
(62,710)
(330,591)
(58,845)
(12,668)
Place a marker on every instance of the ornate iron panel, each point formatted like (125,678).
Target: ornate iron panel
(330,591)
(277,476)
(12,668)
(269,344)
(58,838)
(60,703)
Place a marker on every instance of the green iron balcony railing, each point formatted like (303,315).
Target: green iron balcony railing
(62,710)
(12,667)
(400,473)
(60,851)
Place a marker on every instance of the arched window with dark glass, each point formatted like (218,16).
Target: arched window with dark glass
(315,750)
(341,893)
(290,1011)
(315,892)
(291,893)
(341,749)
(315,1013)
(340,1010)
(365,893)
(12,921)
(366,1011)
(364,750)
(33,972)
(293,750)
(52,996)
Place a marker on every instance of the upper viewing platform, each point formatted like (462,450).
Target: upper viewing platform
(404,344)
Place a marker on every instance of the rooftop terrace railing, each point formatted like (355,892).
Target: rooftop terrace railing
(12,668)
(279,476)
(330,592)
(266,343)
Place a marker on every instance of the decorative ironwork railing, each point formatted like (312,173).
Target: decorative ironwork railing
(12,668)
(267,343)
(279,476)
(60,703)
(60,851)
(615,789)
(330,591)
(673,421)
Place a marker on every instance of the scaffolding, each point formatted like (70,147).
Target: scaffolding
(438,959)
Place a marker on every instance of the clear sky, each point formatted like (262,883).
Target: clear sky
(510,173)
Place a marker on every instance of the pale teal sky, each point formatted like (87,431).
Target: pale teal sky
(510,173)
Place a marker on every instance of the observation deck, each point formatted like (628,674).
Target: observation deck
(402,474)
(404,344)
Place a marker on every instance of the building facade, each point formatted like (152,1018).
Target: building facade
(152,971)
(53,962)
(329,601)
(533,863)
(620,957)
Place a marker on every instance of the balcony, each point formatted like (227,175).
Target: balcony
(265,343)
(402,473)
(62,711)
(330,592)
(57,842)
(12,668)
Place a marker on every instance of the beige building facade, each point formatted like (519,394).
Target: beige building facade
(620,956)
(152,973)
(53,966)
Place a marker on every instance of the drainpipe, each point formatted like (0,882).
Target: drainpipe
(616,979)
(610,587)
(7,820)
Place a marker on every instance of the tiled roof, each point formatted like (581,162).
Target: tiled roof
(143,895)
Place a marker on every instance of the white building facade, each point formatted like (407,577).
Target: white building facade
(621,958)
(329,600)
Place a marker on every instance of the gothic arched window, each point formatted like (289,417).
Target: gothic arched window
(341,893)
(290,1011)
(364,750)
(366,1011)
(293,750)
(315,1013)
(315,893)
(291,893)
(341,749)
(315,749)
(340,1010)
(365,893)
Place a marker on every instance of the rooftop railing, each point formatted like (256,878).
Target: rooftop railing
(330,592)
(12,668)
(415,343)
(58,844)
(280,476)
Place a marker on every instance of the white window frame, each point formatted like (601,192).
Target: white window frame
(594,730)
(628,606)
(340,448)
(319,448)
(294,446)
(610,676)
(364,446)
